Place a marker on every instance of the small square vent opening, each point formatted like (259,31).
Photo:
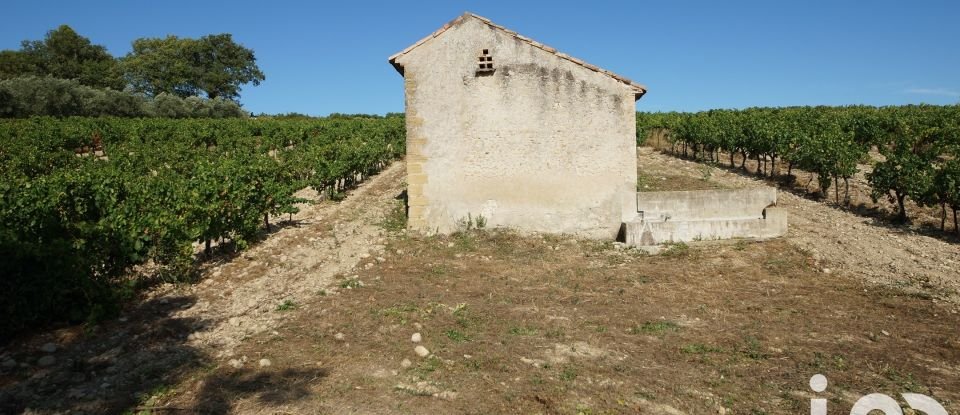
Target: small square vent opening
(485,62)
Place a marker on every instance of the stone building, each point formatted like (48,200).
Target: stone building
(508,129)
(504,127)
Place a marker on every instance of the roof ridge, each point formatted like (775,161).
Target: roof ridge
(639,88)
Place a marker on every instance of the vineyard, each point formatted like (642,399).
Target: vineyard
(85,200)
(919,147)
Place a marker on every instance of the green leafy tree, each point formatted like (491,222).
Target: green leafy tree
(222,66)
(157,66)
(36,96)
(65,54)
(15,63)
(214,65)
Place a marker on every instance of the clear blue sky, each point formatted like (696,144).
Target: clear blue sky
(321,58)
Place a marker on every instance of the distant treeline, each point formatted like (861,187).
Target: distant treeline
(920,145)
(65,74)
(39,96)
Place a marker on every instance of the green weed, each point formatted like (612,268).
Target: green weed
(287,305)
(396,220)
(457,336)
(523,331)
(675,249)
(699,348)
(654,328)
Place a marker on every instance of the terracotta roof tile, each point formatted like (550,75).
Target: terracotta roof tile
(638,88)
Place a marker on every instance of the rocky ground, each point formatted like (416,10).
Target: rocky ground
(867,246)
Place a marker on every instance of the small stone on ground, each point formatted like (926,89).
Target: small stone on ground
(47,361)
(421,351)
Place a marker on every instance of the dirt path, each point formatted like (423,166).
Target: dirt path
(840,240)
(176,329)
(241,297)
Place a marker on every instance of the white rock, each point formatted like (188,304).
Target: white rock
(264,362)
(339,336)
(421,351)
(48,348)
(451,245)
(236,363)
(447,395)
(418,326)
(399,252)
(234,321)
(416,338)
(46,361)
(405,363)
(885,333)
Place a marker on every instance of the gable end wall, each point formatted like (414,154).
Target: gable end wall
(541,144)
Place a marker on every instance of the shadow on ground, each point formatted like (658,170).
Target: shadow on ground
(220,392)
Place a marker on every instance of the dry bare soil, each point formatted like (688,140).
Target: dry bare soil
(319,318)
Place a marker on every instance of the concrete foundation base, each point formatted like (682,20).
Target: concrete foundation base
(705,215)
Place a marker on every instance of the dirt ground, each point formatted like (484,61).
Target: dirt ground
(857,242)
(320,318)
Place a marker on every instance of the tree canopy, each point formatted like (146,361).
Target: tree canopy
(64,54)
(214,65)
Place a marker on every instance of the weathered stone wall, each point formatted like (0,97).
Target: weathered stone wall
(541,144)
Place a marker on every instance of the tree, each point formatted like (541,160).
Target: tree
(63,54)
(14,63)
(223,66)
(214,65)
(157,66)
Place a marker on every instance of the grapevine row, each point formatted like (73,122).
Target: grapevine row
(84,200)
(920,147)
